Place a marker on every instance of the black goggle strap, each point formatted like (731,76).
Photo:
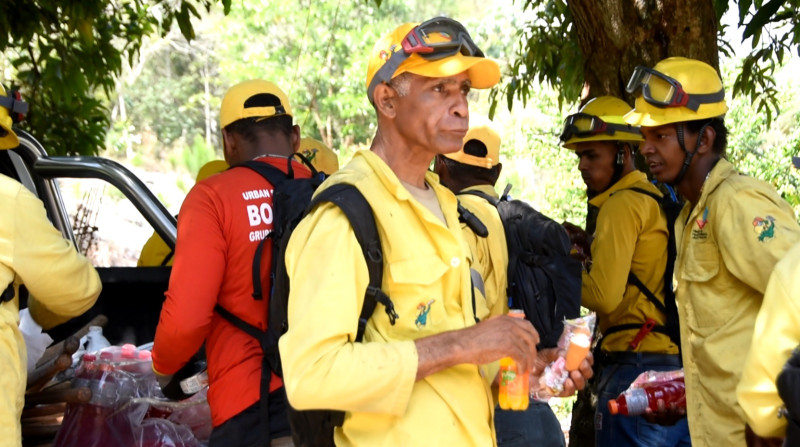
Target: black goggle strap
(384,74)
(14,105)
(698,99)
(571,130)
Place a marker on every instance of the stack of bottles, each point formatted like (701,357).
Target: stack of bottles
(127,407)
(666,392)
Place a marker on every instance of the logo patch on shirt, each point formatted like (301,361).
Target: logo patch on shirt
(764,227)
(422,314)
(699,232)
(310,154)
(702,222)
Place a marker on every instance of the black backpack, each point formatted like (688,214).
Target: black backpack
(669,308)
(543,279)
(291,201)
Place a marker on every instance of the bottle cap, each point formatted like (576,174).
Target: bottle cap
(516,313)
(613,407)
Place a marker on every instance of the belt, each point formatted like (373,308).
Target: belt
(642,358)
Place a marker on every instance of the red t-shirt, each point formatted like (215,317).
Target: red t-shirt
(220,224)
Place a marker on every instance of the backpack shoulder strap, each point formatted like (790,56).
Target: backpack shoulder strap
(359,212)
(472,192)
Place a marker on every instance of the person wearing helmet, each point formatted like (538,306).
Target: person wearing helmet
(61,282)
(420,379)
(156,252)
(730,234)
(630,239)
(322,158)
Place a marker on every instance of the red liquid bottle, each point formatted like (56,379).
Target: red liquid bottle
(633,402)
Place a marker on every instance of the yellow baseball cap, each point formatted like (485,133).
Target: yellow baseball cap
(210,168)
(323,158)
(242,101)
(486,135)
(483,72)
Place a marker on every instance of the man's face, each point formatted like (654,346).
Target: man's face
(662,152)
(434,115)
(596,163)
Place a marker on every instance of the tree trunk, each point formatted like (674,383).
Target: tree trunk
(615,36)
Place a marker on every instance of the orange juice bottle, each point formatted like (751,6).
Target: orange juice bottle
(514,392)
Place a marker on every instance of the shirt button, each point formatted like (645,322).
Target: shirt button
(455,261)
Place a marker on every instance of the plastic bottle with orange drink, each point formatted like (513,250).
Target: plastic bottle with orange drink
(514,390)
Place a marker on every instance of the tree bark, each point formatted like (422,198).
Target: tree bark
(615,36)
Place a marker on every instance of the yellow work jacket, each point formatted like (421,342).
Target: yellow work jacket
(490,253)
(630,236)
(728,244)
(426,274)
(776,334)
(62,284)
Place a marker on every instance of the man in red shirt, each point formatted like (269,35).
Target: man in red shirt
(220,224)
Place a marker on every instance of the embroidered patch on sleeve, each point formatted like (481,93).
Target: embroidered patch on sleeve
(764,227)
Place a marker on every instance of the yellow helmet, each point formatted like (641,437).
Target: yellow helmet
(8,104)
(677,89)
(601,119)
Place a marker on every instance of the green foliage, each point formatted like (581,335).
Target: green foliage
(547,52)
(67,55)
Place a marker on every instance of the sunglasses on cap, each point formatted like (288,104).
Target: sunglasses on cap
(433,39)
(583,125)
(661,90)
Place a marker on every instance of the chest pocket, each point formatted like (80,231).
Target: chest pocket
(417,292)
(701,266)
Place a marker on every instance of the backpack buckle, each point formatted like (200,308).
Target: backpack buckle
(377,294)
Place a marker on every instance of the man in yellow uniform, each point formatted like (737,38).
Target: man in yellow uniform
(323,158)
(156,252)
(730,234)
(776,335)
(61,282)
(630,238)
(422,380)
(475,169)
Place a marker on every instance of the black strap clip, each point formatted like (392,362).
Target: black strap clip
(379,296)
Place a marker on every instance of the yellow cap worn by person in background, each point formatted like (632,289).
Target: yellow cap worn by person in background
(484,133)
(236,102)
(156,252)
(323,158)
(483,72)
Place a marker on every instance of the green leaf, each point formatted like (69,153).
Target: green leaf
(762,16)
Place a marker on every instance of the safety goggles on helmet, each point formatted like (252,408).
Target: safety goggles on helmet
(433,39)
(17,108)
(661,90)
(583,125)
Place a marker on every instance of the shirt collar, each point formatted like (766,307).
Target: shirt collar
(624,183)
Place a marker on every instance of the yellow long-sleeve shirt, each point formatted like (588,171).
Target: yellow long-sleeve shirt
(62,284)
(776,334)
(427,276)
(631,236)
(728,245)
(489,254)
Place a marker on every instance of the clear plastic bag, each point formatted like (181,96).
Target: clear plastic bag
(575,342)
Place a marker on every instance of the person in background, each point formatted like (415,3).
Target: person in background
(61,282)
(731,232)
(220,225)
(420,379)
(156,252)
(476,167)
(323,158)
(775,336)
